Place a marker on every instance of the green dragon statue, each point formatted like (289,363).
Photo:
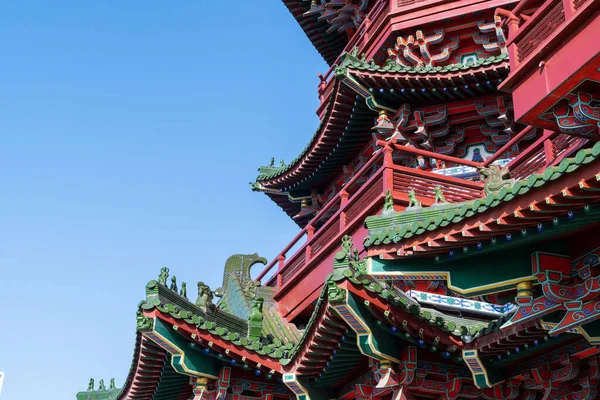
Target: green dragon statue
(495,178)
(238,265)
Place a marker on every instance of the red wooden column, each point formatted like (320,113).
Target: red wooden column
(388,172)
(281,260)
(343,201)
(513,27)
(310,230)
(568,9)
(548,149)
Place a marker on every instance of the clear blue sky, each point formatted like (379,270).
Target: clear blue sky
(129,131)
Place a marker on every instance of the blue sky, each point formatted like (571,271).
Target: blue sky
(129,131)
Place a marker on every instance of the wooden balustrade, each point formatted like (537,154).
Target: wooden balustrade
(528,35)
(545,21)
(342,198)
(455,190)
(548,150)
(348,209)
(329,234)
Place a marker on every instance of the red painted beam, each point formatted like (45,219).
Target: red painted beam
(508,145)
(426,153)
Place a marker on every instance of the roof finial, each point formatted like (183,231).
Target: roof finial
(388,203)
(174,284)
(439,195)
(164,274)
(255,319)
(205,295)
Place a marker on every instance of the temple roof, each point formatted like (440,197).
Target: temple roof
(329,43)
(358,91)
(396,227)
(175,336)
(352,62)
(340,134)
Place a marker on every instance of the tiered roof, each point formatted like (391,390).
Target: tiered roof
(356,318)
(511,211)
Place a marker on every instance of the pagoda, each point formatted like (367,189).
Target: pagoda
(447,205)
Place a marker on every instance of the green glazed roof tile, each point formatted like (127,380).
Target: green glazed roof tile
(468,209)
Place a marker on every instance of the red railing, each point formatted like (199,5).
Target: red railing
(530,36)
(424,183)
(545,21)
(548,150)
(339,200)
(360,195)
(355,202)
(324,240)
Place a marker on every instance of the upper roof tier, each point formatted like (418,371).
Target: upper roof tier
(362,89)
(443,72)
(329,24)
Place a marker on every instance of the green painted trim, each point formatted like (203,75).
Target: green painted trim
(373,343)
(350,62)
(389,234)
(183,361)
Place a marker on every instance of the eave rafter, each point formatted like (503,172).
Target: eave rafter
(146,370)
(547,204)
(345,114)
(402,321)
(216,343)
(476,78)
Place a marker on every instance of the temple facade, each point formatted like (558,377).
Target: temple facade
(447,205)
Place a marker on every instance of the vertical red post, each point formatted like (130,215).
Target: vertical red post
(343,197)
(568,9)
(548,150)
(281,260)
(388,172)
(513,50)
(310,232)
(343,201)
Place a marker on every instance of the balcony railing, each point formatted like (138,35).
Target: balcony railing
(541,25)
(530,35)
(356,202)
(347,204)
(348,208)
(550,149)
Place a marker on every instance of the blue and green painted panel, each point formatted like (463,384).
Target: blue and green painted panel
(188,362)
